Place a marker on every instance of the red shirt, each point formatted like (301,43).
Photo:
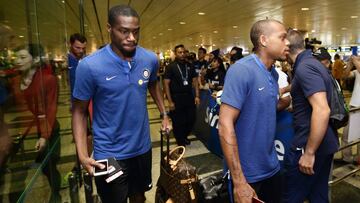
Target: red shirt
(41,99)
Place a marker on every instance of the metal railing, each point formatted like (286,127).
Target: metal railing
(354,171)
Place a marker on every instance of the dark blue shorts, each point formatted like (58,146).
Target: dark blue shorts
(299,186)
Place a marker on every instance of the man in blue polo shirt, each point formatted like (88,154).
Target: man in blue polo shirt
(308,163)
(248,116)
(77,52)
(117,78)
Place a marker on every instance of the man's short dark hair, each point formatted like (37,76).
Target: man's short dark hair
(296,39)
(121,10)
(202,49)
(337,56)
(77,36)
(179,46)
(259,28)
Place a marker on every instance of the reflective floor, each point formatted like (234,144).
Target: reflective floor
(22,172)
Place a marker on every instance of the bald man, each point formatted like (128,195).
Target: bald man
(248,116)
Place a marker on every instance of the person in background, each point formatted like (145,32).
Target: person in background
(216,75)
(338,68)
(40,91)
(354,61)
(77,52)
(180,79)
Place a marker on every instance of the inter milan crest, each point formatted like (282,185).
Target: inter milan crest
(146,73)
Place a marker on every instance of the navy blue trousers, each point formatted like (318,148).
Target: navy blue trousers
(299,186)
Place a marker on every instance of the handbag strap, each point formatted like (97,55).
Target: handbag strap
(173,163)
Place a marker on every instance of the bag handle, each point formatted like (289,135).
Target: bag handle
(173,163)
(162,134)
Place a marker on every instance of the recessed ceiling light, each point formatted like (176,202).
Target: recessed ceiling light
(312,30)
(214,45)
(196,45)
(202,44)
(343,28)
(154,37)
(160,33)
(21,36)
(63,2)
(201,13)
(182,23)
(353,16)
(294,28)
(215,31)
(235,26)
(305,9)
(169,29)
(201,36)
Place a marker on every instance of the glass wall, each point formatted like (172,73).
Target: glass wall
(37,151)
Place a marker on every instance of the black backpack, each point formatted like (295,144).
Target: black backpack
(339,115)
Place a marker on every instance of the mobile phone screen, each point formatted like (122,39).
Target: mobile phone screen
(99,170)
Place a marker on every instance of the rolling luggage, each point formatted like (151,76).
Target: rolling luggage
(178,181)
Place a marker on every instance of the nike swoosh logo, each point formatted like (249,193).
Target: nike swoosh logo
(110,78)
(261,88)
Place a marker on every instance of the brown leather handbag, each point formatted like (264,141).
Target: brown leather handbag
(178,178)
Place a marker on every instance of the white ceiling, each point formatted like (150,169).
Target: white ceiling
(327,20)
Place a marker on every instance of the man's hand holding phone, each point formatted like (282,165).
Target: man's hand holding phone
(89,164)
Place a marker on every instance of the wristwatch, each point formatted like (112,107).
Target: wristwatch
(165,113)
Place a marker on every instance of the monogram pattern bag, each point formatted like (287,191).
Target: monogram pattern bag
(178,178)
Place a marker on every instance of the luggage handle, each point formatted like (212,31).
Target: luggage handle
(167,134)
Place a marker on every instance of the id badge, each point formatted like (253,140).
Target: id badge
(185,83)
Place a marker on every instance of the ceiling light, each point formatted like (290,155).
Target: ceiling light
(215,31)
(353,16)
(343,28)
(201,13)
(236,37)
(294,28)
(214,45)
(235,26)
(21,36)
(63,2)
(182,23)
(221,40)
(169,29)
(305,9)
(190,38)
(154,37)
(201,36)
(312,30)
(160,33)
(196,45)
